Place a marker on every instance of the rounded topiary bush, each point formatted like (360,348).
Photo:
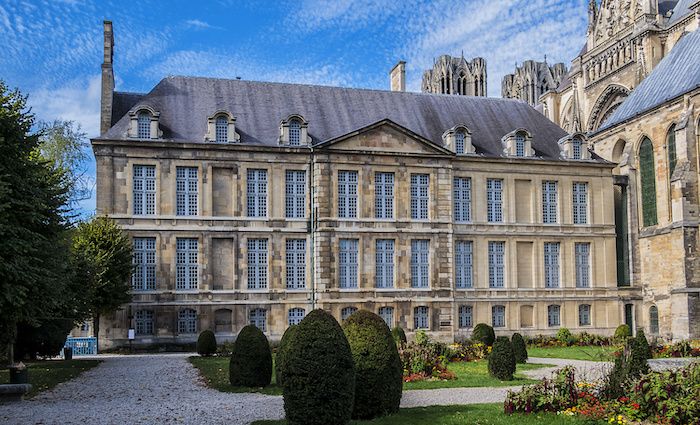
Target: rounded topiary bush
(378,367)
(319,376)
(282,350)
(399,335)
(519,348)
(502,359)
(484,333)
(622,333)
(643,344)
(206,343)
(251,359)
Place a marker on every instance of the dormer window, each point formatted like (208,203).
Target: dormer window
(458,139)
(574,147)
(294,131)
(518,143)
(144,125)
(221,128)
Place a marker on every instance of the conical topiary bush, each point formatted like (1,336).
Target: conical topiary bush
(251,359)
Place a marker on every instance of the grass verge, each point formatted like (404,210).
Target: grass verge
(214,370)
(591,353)
(46,374)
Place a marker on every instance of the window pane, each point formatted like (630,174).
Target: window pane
(384,260)
(551,264)
(419,263)
(257,193)
(494,200)
(257,263)
(496,264)
(648,177)
(580,203)
(582,252)
(186,191)
(187,269)
(462,199)
(296,263)
(384,195)
(348,263)
(549,202)
(295,194)
(347,194)
(419,196)
(144,189)
(463,264)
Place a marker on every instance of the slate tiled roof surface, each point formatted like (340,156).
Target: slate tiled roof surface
(680,11)
(676,74)
(185,103)
(122,102)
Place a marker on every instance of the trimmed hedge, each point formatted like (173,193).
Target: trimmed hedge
(206,343)
(502,359)
(622,333)
(399,335)
(251,359)
(519,348)
(282,350)
(378,367)
(484,334)
(45,340)
(319,377)
(643,344)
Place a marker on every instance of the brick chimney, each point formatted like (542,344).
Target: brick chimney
(398,77)
(107,79)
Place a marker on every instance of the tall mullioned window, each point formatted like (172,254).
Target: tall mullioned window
(347,194)
(295,315)
(583,264)
(464,260)
(648,177)
(387,314)
(144,189)
(294,132)
(187,268)
(257,263)
(295,194)
(498,316)
(187,196)
(419,196)
(258,318)
(584,315)
(187,321)
(384,195)
(295,256)
(671,147)
(494,200)
(421,318)
(462,196)
(551,264)
(384,268)
(459,142)
(576,145)
(144,322)
(221,129)
(257,193)
(420,252)
(519,144)
(347,267)
(143,277)
(143,122)
(496,264)
(549,202)
(580,202)
(553,315)
(465,316)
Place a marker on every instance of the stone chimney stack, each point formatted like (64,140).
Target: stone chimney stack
(107,79)
(398,77)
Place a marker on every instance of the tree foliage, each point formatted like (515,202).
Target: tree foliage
(484,333)
(206,343)
(282,351)
(251,359)
(519,348)
(502,359)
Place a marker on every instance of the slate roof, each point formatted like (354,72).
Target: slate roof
(680,11)
(122,102)
(676,74)
(185,103)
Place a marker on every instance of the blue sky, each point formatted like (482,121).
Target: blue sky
(52,49)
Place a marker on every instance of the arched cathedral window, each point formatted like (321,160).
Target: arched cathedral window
(648,182)
(671,146)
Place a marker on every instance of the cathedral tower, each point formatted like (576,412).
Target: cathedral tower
(456,76)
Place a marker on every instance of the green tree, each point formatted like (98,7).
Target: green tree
(103,254)
(33,244)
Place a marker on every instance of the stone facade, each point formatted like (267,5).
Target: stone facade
(531,80)
(452,75)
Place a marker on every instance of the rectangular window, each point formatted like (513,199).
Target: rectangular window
(144,322)
(496,264)
(580,203)
(348,263)
(494,200)
(549,202)
(187,321)
(384,270)
(295,316)
(584,315)
(462,187)
(257,263)
(551,264)
(295,194)
(144,189)
(347,312)
(387,314)
(463,264)
(420,251)
(553,315)
(258,318)
(498,316)
(419,196)
(384,195)
(143,277)
(347,194)
(186,190)
(465,316)
(583,253)
(257,193)
(296,263)
(187,269)
(421,318)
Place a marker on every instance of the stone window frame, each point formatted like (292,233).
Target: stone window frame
(494,200)
(550,202)
(384,190)
(295,193)
(348,263)
(385,252)
(258,261)
(567,147)
(465,315)
(498,316)
(420,263)
(140,111)
(187,321)
(450,140)
(144,322)
(654,320)
(187,263)
(285,127)
(551,255)
(509,143)
(348,196)
(187,191)
(257,190)
(231,137)
(420,196)
(581,309)
(462,199)
(464,264)
(295,263)
(497,264)
(421,317)
(144,189)
(145,262)
(553,315)
(582,269)
(579,202)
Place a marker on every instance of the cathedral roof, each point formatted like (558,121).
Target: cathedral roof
(185,103)
(676,74)
(680,11)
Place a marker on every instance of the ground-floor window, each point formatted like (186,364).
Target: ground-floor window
(258,318)
(346,312)
(144,322)
(498,316)
(420,318)
(584,315)
(295,315)
(187,321)
(553,318)
(465,316)
(387,314)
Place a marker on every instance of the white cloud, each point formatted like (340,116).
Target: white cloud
(200,25)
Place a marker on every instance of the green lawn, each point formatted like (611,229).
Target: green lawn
(476,414)
(44,375)
(469,374)
(593,353)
